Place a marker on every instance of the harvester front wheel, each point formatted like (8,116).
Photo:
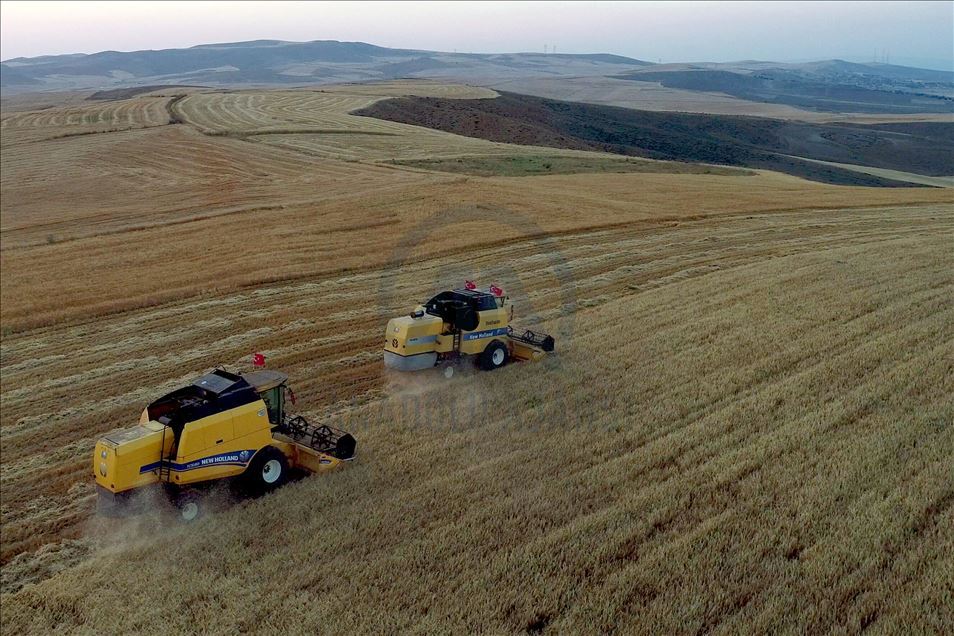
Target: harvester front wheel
(494,356)
(267,471)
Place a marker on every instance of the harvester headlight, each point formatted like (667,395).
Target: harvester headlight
(102,468)
(103,454)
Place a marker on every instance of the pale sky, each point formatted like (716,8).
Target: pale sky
(911,33)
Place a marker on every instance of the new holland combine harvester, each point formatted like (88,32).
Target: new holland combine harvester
(459,324)
(223,425)
(234,426)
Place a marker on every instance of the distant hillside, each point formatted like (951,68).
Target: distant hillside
(852,72)
(830,86)
(11,76)
(277,62)
(926,149)
(826,86)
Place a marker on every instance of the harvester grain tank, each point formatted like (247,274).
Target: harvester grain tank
(221,426)
(460,324)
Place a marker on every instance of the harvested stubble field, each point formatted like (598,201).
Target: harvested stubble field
(531,165)
(747,425)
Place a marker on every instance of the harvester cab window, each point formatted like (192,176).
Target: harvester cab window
(275,402)
(270,387)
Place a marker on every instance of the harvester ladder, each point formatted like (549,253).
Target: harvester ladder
(457,340)
(165,470)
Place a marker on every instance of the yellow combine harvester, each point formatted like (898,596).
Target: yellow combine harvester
(223,425)
(457,324)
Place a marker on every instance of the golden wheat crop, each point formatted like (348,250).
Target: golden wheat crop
(767,436)
(747,425)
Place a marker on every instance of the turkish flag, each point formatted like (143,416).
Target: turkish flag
(469,284)
(258,360)
(496,291)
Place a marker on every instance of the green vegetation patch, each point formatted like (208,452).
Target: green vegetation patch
(531,165)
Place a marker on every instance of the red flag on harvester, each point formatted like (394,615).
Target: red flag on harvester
(291,394)
(258,360)
(469,284)
(496,291)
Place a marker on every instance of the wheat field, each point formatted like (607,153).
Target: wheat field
(318,123)
(746,427)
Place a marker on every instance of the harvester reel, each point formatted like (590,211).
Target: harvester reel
(296,427)
(322,438)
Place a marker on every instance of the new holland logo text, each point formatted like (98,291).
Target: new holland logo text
(489,333)
(215,459)
(237,458)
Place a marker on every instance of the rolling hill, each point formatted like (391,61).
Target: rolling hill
(830,87)
(922,148)
(279,62)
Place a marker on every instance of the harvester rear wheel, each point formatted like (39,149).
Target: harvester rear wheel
(267,471)
(189,505)
(494,356)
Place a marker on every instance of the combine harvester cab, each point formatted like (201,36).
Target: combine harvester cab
(457,324)
(221,426)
